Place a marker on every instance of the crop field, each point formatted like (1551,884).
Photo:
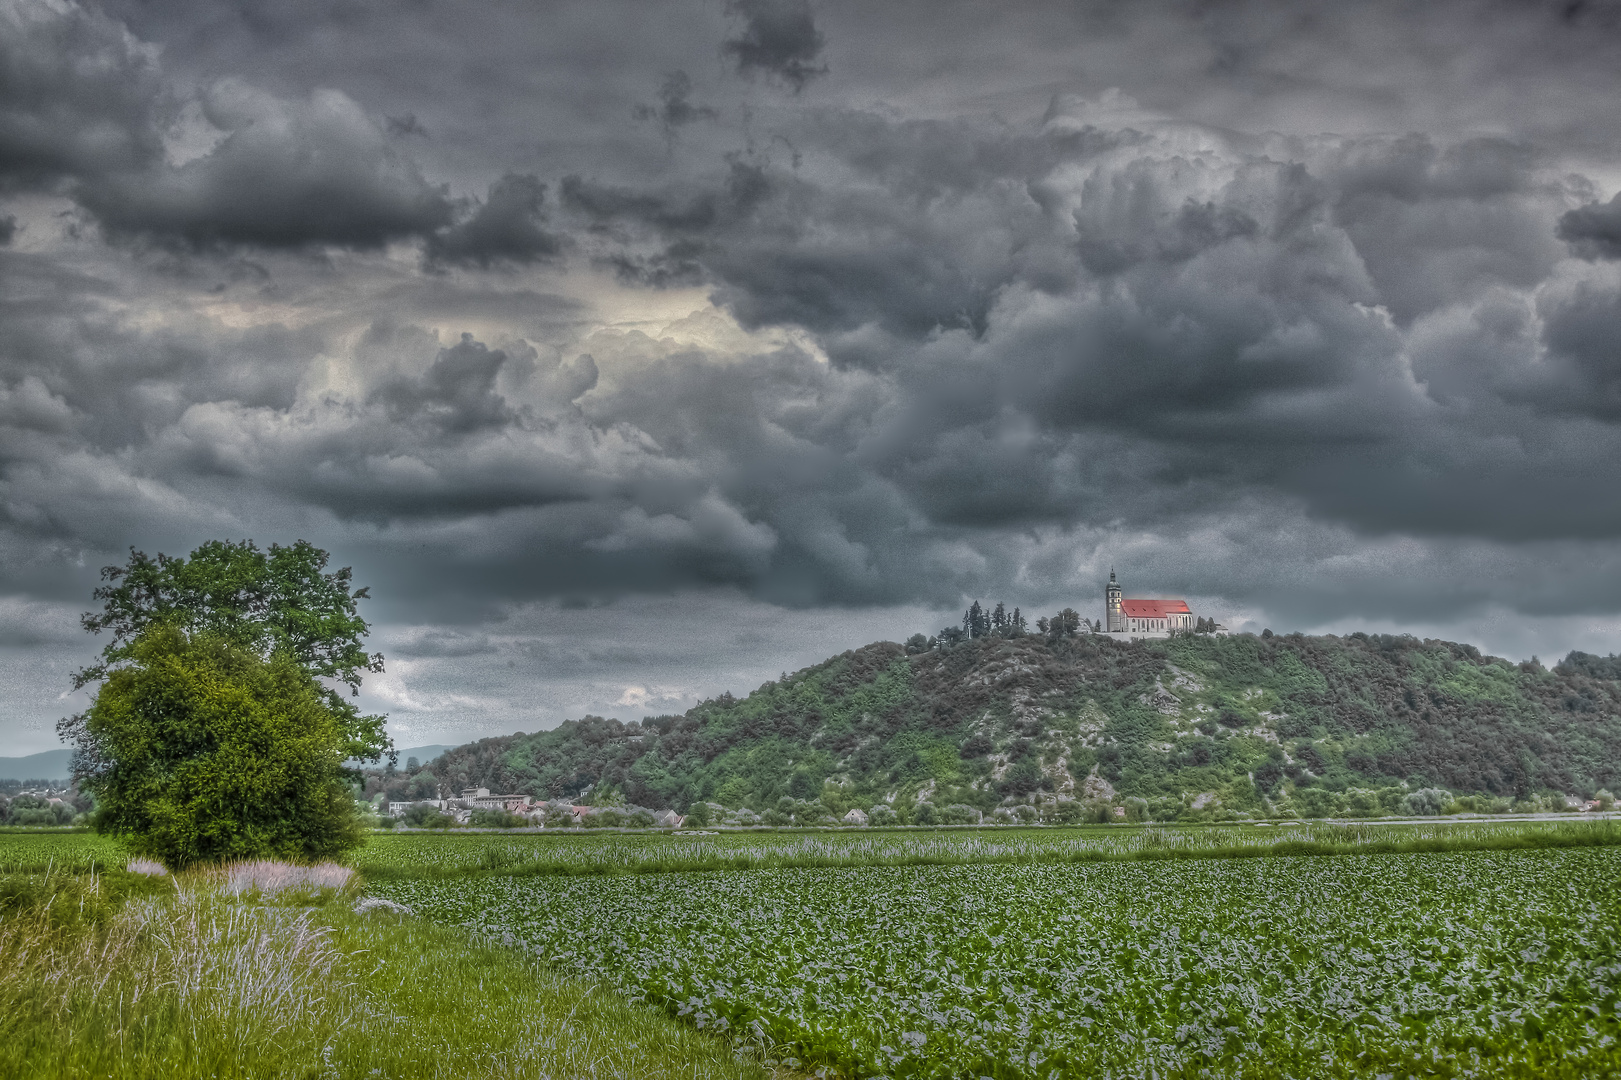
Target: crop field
(1484,963)
(35,851)
(581,852)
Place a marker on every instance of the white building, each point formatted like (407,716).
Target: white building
(1123,616)
(481,799)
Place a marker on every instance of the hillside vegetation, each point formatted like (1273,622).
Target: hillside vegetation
(1192,727)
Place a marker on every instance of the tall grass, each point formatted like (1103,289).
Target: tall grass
(268,971)
(424,855)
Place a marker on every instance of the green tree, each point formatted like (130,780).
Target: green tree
(281,600)
(976,623)
(207,752)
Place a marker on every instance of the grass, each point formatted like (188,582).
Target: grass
(268,971)
(419,855)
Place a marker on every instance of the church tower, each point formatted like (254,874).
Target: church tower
(1115,618)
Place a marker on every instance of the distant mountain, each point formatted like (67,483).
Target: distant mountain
(423,754)
(51,765)
(1192,725)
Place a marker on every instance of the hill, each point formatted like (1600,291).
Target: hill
(51,765)
(1197,725)
(424,754)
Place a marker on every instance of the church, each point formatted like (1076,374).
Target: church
(1143,616)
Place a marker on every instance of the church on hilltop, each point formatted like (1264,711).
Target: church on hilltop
(1124,616)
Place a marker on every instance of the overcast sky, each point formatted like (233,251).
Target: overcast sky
(634,352)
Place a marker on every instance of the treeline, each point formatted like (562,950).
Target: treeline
(981,622)
(29,809)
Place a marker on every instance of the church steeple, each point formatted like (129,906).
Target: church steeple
(1114,616)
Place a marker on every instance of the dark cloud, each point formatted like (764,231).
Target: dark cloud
(1583,335)
(8,228)
(675,109)
(1240,301)
(457,394)
(1594,230)
(406,124)
(78,95)
(777,38)
(287,174)
(507,227)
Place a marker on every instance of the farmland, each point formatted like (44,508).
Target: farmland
(36,851)
(572,852)
(1447,949)
(1451,964)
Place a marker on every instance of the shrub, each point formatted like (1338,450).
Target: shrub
(498,819)
(1426,802)
(1065,812)
(423,816)
(1021,779)
(1315,802)
(976,745)
(959,814)
(1360,802)
(882,814)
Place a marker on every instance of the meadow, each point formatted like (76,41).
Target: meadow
(275,972)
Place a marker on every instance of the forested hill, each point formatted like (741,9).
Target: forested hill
(1203,723)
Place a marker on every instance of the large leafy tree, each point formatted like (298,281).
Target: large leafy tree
(198,750)
(280,601)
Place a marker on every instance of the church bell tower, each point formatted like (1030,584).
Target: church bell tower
(1115,619)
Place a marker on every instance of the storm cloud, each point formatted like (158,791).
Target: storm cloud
(815,321)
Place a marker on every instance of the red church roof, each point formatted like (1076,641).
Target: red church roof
(1154,609)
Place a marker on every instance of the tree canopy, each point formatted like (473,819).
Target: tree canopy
(261,600)
(280,601)
(197,749)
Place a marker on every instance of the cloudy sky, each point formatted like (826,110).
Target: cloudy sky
(634,352)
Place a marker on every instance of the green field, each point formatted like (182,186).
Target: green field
(417,854)
(37,851)
(1453,949)
(1495,963)
(389,855)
